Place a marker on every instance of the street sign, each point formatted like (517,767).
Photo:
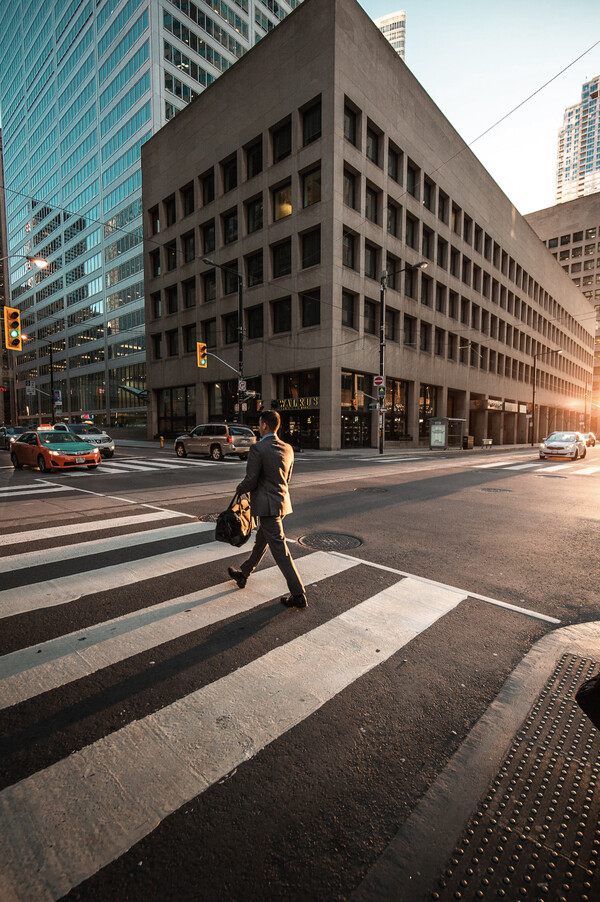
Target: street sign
(378,380)
(241,385)
(381,391)
(29,387)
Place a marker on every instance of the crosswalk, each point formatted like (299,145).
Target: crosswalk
(85,623)
(149,465)
(572,468)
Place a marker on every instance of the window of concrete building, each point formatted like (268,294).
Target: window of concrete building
(311,186)
(155,263)
(475,316)
(477,238)
(590,233)
(348,309)
(189,338)
(187,199)
(453,305)
(156,302)
(370,316)
(282,201)
(412,231)
(350,124)
(281,141)
(209,285)
(440,297)
(442,253)
(456,219)
(590,249)
(476,278)
(565,239)
(428,193)
(209,332)
(451,346)
(577,236)
(208,237)
(171,255)
(426,290)
(282,315)
(172,343)
(371,267)
(564,255)
(255,322)
(393,219)
(496,255)
(553,242)
(282,258)
(229,173)
(349,250)
(254,157)
(188,243)
(310,308)
(170,210)
(485,321)
(254,269)
(254,214)
(311,122)
(443,206)
(373,148)
(229,222)
(439,343)
(229,274)
(427,243)
(350,190)
(455,262)
(413,179)
(207,182)
(230,328)
(410,331)
(391,328)
(589,264)
(466,271)
(467,229)
(171,299)
(410,283)
(157,347)
(154,220)
(371,204)
(393,266)
(310,248)
(189,293)
(487,247)
(395,158)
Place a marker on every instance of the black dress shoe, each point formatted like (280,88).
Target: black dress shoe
(294,601)
(238,576)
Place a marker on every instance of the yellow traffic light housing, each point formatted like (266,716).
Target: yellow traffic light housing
(13,339)
(202,354)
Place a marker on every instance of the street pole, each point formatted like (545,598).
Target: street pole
(382,288)
(240,347)
(52,382)
(533,401)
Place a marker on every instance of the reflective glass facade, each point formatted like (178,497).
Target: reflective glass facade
(83,84)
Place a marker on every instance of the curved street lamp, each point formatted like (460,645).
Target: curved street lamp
(422,264)
(39,262)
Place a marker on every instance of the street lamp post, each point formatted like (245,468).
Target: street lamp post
(382,289)
(535,357)
(240,328)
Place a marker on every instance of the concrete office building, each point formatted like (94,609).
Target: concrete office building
(578,161)
(83,84)
(393,26)
(571,232)
(307,169)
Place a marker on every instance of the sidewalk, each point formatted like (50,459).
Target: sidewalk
(516,812)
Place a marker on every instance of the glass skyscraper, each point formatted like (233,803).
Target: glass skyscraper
(578,163)
(83,84)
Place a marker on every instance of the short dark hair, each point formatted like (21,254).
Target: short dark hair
(271,418)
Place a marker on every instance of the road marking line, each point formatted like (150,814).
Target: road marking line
(586,471)
(121,466)
(183,462)
(497,463)
(432,582)
(33,490)
(153,507)
(553,467)
(523,466)
(40,668)
(36,535)
(383,460)
(100,546)
(91,807)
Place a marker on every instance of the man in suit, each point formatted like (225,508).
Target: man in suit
(268,472)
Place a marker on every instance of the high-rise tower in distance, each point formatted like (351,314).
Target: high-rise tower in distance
(578,160)
(393,26)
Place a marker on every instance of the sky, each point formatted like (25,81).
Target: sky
(478,59)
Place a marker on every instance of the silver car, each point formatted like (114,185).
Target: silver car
(563,444)
(90,433)
(217,440)
(8,434)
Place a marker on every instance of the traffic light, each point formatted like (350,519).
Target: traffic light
(202,354)
(354,404)
(13,339)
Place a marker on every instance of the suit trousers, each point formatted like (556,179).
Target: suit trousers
(270,535)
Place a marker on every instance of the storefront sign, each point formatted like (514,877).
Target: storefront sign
(511,407)
(486,404)
(296,403)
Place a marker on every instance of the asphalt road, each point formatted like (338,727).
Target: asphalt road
(165,735)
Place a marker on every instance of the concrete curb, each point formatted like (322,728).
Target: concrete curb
(421,848)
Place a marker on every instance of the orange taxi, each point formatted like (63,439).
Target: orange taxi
(50,450)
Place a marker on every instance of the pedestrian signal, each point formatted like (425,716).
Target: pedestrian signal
(13,340)
(202,354)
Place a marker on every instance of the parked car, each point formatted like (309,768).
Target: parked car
(590,439)
(217,440)
(8,435)
(48,450)
(563,444)
(87,432)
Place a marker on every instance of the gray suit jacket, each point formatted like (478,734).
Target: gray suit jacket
(269,469)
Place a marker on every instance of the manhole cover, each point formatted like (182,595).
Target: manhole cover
(208,518)
(496,490)
(329,541)
(374,490)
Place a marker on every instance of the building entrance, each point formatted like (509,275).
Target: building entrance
(356,430)
(300,429)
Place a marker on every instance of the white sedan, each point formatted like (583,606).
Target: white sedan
(563,444)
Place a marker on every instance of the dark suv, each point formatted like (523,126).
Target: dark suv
(217,440)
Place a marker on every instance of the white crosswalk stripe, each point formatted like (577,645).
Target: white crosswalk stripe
(35,535)
(574,468)
(64,822)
